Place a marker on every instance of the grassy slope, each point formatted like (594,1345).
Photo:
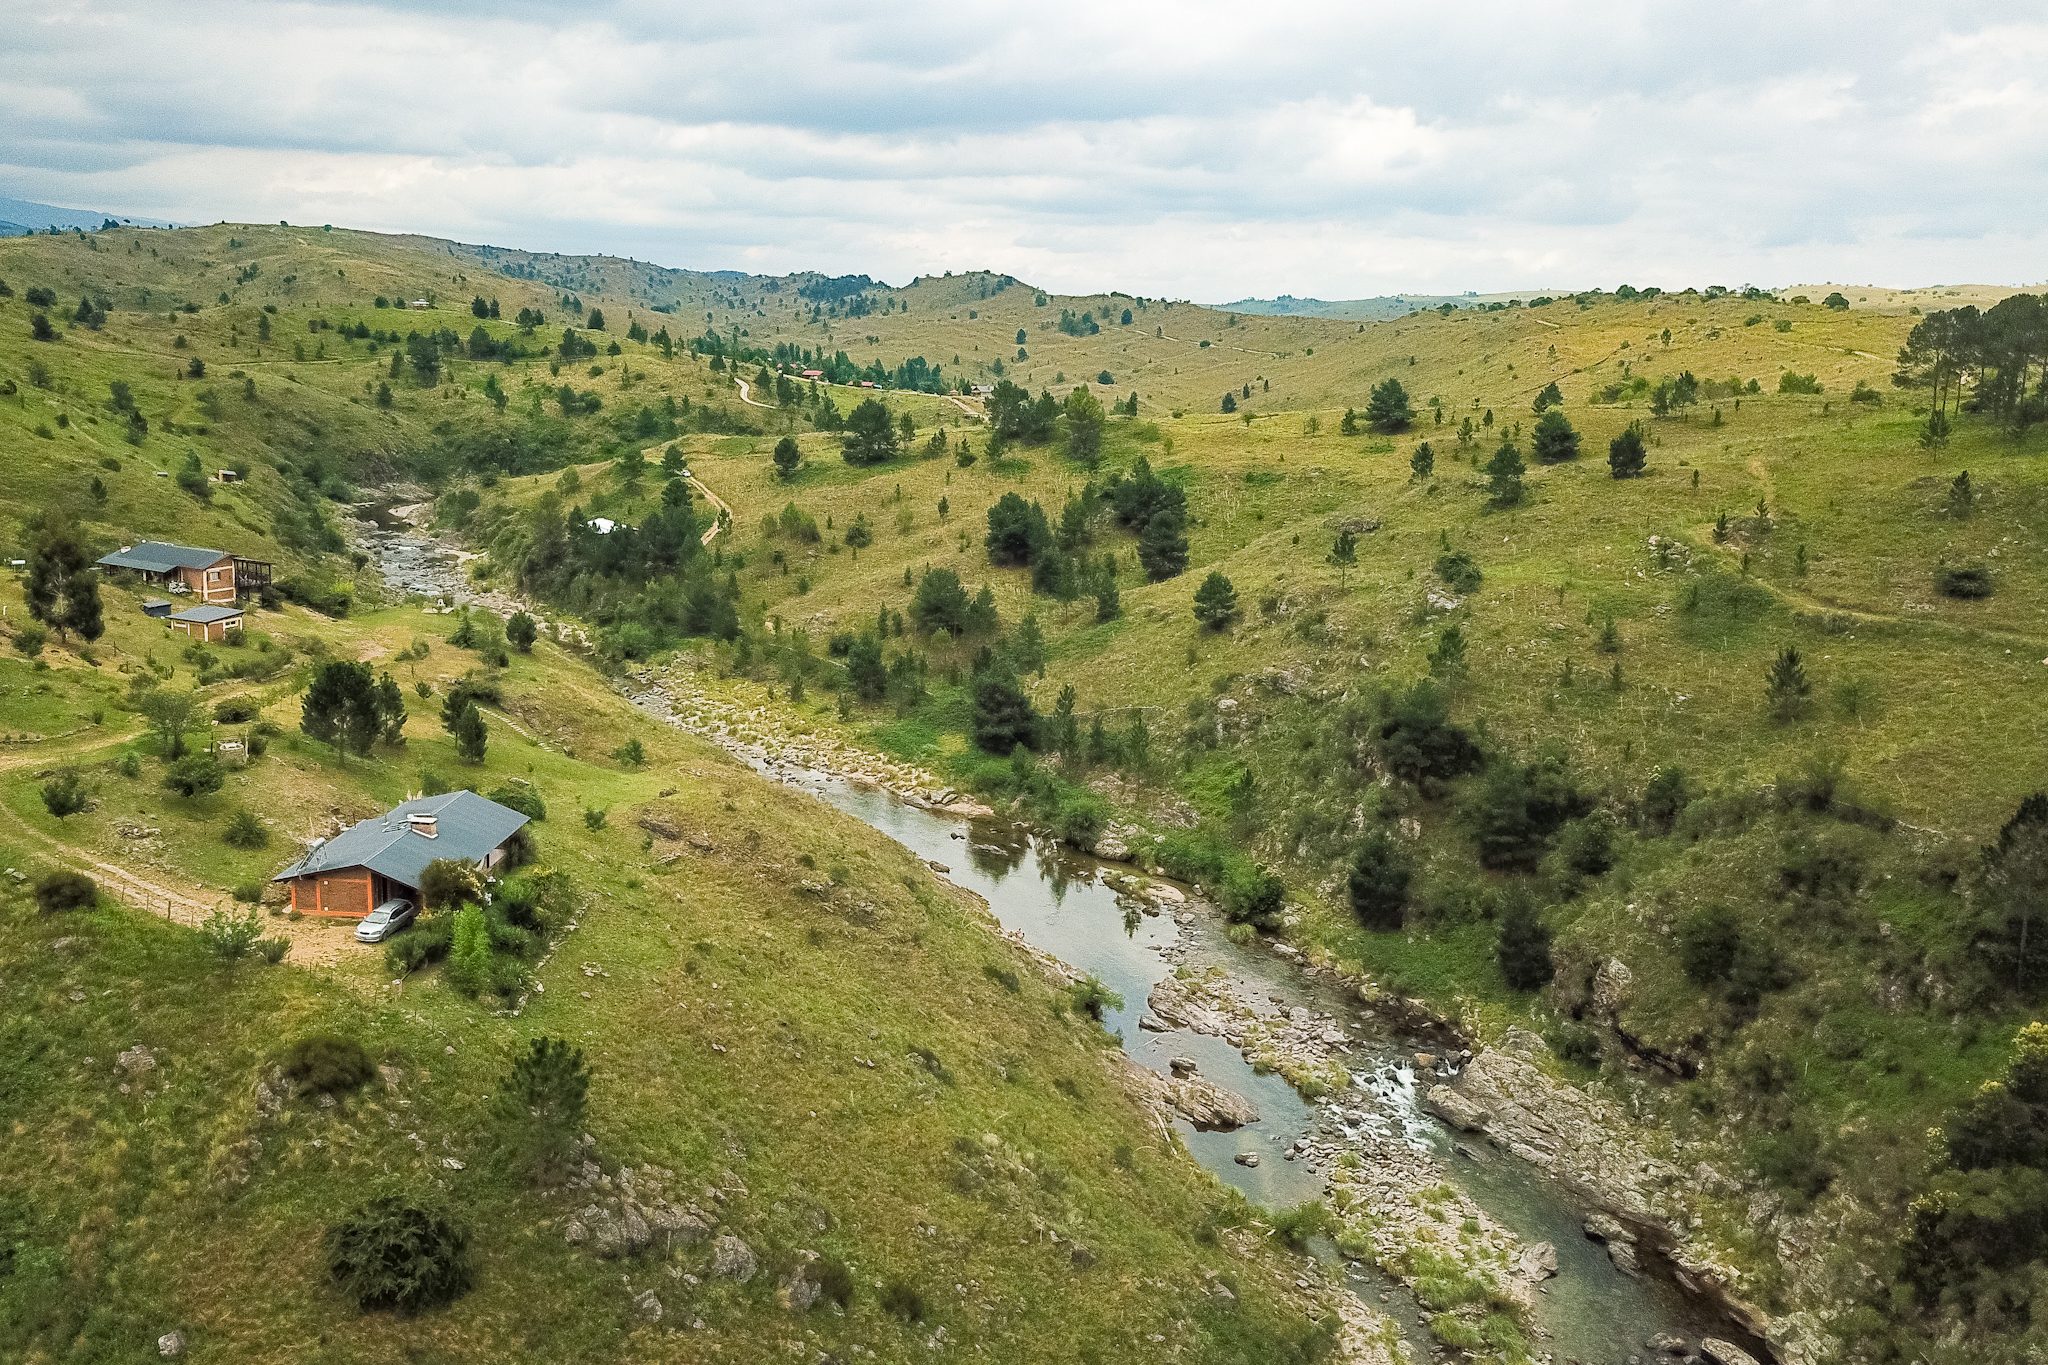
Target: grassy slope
(730,1021)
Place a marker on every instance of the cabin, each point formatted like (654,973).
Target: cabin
(205,623)
(813,375)
(419,303)
(367,864)
(208,575)
(981,390)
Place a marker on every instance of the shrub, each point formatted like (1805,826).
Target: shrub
(834,1280)
(1458,571)
(593,820)
(245,831)
(1966,581)
(900,1299)
(66,890)
(231,935)
(1665,798)
(248,893)
(1251,895)
(327,1064)
(195,775)
(273,950)
(1524,947)
(235,712)
(1379,880)
(1297,1225)
(469,952)
(1093,999)
(1079,820)
(393,1252)
(1708,940)
(66,793)
(426,943)
(525,800)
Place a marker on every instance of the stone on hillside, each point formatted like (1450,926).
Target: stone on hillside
(1605,1227)
(733,1259)
(1718,1352)
(647,1306)
(1538,1262)
(171,1345)
(1611,985)
(1456,1110)
(136,1059)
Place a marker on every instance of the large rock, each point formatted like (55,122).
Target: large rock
(1538,1262)
(1456,1110)
(1611,986)
(1718,1352)
(733,1259)
(1201,1102)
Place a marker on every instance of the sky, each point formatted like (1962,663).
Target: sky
(1187,150)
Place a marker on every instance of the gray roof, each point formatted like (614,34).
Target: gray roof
(201,616)
(160,556)
(469,827)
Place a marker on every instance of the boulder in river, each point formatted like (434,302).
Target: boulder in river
(1718,1352)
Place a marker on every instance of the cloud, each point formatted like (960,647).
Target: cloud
(1191,149)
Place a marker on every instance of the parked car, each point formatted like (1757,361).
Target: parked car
(386,920)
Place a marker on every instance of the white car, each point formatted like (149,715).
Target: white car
(386,920)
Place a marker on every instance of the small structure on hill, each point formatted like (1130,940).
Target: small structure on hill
(368,863)
(206,623)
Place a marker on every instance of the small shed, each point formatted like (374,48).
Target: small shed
(206,623)
(156,606)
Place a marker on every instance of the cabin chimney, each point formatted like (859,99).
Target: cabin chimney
(424,825)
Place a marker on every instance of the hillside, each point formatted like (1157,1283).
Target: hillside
(1533,762)
(760,990)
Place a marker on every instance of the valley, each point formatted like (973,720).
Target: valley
(1224,692)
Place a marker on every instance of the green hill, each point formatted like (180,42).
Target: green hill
(1538,761)
(816,1074)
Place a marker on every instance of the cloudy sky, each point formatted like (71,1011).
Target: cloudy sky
(1194,150)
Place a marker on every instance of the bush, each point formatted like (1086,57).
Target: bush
(1093,999)
(393,1252)
(1378,882)
(525,800)
(66,890)
(273,950)
(1458,571)
(469,952)
(1966,581)
(902,1300)
(235,712)
(1708,941)
(231,935)
(245,831)
(834,1280)
(1079,820)
(1296,1226)
(195,775)
(248,893)
(327,1064)
(426,943)
(66,793)
(1524,948)
(1251,895)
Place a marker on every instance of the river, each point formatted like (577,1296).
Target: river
(1066,907)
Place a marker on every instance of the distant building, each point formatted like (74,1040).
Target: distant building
(210,575)
(208,624)
(604,526)
(813,374)
(981,390)
(366,864)
(419,303)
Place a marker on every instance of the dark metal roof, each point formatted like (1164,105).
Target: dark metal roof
(204,616)
(468,827)
(160,556)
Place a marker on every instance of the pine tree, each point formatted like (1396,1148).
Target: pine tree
(787,457)
(1163,545)
(1553,439)
(1387,411)
(1215,602)
(1626,455)
(61,589)
(521,631)
(541,1105)
(340,708)
(1423,462)
(1786,685)
(1504,475)
(1378,882)
(471,735)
